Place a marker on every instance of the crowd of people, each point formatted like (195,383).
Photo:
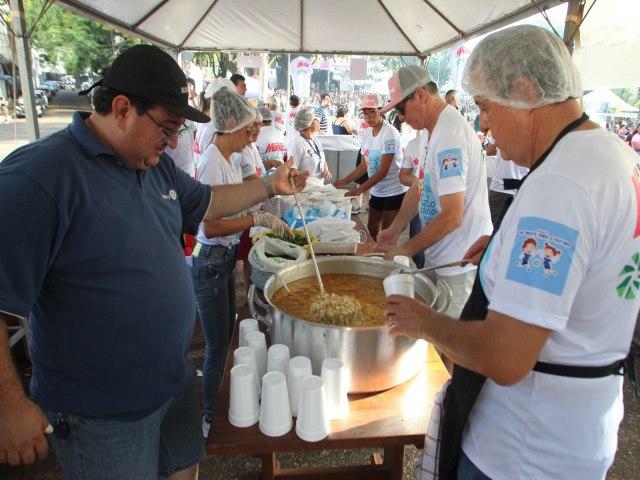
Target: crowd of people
(92,217)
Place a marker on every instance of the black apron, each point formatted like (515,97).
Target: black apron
(465,385)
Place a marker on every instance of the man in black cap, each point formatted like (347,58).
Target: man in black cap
(90,221)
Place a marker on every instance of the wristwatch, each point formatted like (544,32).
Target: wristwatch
(267,184)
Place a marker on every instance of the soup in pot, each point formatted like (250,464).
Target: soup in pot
(337,307)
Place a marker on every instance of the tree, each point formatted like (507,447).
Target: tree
(79,43)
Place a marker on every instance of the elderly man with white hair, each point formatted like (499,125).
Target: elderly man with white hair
(552,312)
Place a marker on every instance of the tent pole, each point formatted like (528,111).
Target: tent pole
(288,77)
(572,23)
(24,65)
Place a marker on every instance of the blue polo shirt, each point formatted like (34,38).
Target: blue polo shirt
(90,249)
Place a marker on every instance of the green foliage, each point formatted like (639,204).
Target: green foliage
(629,95)
(79,43)
(217,62)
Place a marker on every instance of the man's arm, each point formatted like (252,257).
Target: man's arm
(408,210)
(228,200)
(22,423)
(501,347)
(406,176)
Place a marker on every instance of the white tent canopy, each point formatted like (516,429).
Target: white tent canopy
(383,27)
(608,103)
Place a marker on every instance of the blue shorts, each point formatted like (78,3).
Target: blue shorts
(163,443)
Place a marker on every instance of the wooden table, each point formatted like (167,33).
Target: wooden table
(390,419)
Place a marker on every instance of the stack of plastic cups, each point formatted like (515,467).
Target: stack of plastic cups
(335,384)
(247,356)
(313,421)
(299,369)
(258,342)
(278,358)
(244,409)
(246,326)
(275,412)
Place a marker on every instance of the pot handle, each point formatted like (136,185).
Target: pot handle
(253,301)
(443,296)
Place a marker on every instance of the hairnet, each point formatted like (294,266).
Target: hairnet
(498,64)
(258,118)
(267,116)
(231,112)
(216,85)
(304,119)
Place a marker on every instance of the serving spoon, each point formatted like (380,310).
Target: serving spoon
(306,232)
(412,271)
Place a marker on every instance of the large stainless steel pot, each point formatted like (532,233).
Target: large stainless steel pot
(373,359)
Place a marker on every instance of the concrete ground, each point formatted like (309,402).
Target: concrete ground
(245,467)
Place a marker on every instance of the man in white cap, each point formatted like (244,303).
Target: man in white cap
(450,191)
(536,391)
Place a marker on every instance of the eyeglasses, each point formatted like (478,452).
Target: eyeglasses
(400,107)
(168,134)
(368,111)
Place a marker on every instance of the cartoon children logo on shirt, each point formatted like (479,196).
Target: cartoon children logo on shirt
(428,209)
(542,254)
(450,163)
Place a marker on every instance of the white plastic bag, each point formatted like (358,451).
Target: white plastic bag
(271,254)
(334,230)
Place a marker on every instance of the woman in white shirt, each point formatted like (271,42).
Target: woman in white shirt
(306,151)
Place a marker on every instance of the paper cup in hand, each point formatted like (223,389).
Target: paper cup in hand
(247,356)
(244,409)
(399,284)
(246,326)
(313,422)
(299,369)
(278,358)
(258,342)
(335,387)
(275,412)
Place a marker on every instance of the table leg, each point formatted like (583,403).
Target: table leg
(393,460)
(269,466)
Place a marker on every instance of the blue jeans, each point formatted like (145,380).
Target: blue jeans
(213,275)
(468,471)
(163,443)
(414,229)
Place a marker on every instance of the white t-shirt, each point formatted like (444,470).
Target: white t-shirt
(387,141)
(451,162)
(270,144)
(250,164)
(565,259)
(215,170)
(308,155)
(505,169)
(183,155)
(204,137)
(290,131)
(411,157)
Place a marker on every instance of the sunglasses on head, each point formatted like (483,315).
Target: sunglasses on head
(400,107)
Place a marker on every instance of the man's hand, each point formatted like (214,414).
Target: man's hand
(280,178)
(391,251)
(339,183)
(477,249)
(22,438)
(406,316)
(387,237)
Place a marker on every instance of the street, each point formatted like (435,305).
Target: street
(57,116)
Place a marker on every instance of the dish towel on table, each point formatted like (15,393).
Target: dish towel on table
(427,464)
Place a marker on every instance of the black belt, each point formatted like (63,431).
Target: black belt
(616,368)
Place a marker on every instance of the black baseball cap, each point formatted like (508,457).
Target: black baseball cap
(146,71)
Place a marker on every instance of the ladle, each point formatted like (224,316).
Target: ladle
(306,232)
(459,263)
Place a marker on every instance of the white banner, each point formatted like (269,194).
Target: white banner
(457,59)
(301,70)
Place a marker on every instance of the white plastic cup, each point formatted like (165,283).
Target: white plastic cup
(246,326)
(402,260)
(244,409)
(258,342)
(313,422)
(275,412)
(335,385)
(299,369)
(278,358)
(399,284)
(247,356)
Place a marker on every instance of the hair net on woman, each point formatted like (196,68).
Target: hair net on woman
(500,65)
(259,117)
(267,116)
(230,112)
(216,85)
(304,119)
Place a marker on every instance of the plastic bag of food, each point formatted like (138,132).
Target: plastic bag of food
(268,255)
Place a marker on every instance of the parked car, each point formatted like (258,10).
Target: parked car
(41,98)
(48,91)
(53,86)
